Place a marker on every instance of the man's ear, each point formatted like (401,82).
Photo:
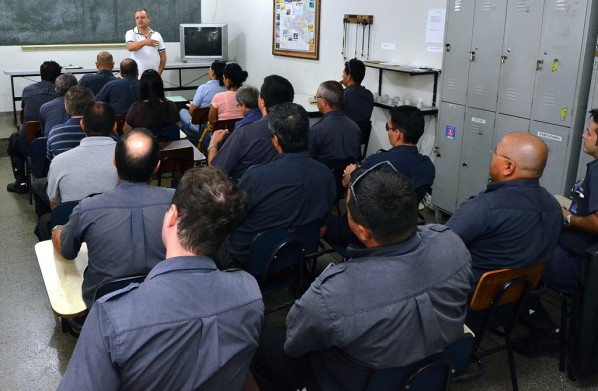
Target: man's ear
(172,215)
(156,169)
(508,168)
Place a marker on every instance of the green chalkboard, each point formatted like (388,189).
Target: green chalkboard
(48,22)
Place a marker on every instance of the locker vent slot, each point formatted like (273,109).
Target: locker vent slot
(479,89)
(488,6)
(522,6)
(511,95)
(548,100)
(560,5)
(458,5)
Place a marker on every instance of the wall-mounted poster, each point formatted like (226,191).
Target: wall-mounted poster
(296,28)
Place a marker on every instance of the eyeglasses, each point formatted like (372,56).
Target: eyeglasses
(389,128)
(319,97)
(363,174)
(493,152)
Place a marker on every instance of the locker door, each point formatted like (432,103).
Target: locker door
(506,124)
(447,151)
(486,49)
(560,50)
(557,139)
(475,154)
(518,71)
(459,22)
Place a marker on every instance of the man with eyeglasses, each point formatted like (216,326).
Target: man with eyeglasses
(580,231)
(515,222)
(395,302)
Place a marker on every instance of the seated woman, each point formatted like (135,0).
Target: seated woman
(224,105)
(203,98)
(153,111)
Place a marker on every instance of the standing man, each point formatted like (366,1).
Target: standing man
(335,136)
(95,81)
(188,326)
(146,45)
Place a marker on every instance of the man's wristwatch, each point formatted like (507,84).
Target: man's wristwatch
(212,146)
(567,220)
(55,227)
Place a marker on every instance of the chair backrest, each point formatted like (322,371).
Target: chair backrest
(116,284)
(491,283)
(61,213)
(337,166)
(281,250)
(175,161)
(33,130)
(366,130)
(200,115)
(228,124)
(39,163)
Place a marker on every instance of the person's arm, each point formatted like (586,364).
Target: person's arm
(92,365)
(587,223)
(162,54)
(134,46)
(67,239)
(347,174)
(192,108)
(56,231)
(470,220)
(216,139)
(126,127)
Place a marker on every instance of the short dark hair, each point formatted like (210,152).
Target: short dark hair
(64,82)
(384,202)
(235,74)
(275,90)
(140,9)
(332,91)
(289,122)
(356,69)
(77,99)
(98,119)
(410,121)
(248,95)
(105,57)
(139,167)
(49,70)
(210,206)
(128,66)
(218,68)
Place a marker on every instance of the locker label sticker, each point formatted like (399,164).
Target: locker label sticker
(549,136)
(450,132)
(478,120)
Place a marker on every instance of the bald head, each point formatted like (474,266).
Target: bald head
(104,61)
(519,156)
(137,155)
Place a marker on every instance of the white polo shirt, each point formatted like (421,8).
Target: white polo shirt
(148,56)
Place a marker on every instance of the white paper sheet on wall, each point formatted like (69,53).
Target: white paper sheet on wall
(435,25)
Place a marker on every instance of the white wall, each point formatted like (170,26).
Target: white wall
(402,22)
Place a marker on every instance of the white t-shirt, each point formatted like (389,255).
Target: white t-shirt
(148,56)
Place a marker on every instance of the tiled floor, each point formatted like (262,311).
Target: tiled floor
(34,352)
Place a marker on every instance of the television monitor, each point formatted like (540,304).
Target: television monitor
(201,42)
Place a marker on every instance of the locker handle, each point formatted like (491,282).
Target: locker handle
(471,56)
(464,164)
(539,65)
(503,59)
(447,47)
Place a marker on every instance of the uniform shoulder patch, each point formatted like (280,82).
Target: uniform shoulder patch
(330,271)
(438,227)
(118,292)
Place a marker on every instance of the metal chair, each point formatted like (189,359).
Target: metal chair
(116,284)
(337,166)
(366,130)
(498,299)
(176,162)
(37,162)
(228,124)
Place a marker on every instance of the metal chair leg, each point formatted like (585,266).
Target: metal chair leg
(509,344)
(563,334)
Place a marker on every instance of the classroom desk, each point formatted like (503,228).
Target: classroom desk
(175,66)
(62,279)
(311,108)
(180,144)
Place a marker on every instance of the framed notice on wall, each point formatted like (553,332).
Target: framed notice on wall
(296,28)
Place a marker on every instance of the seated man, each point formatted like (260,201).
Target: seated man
(359,101)
(68,134)
(95,81)
(290,191)
(335,136)
(189,326)
(251,144)
(85,170)
(515,222)
(121,93)
(121,227)
(34,96)
(393,303)
(53,113)
(579,232)
(404,129)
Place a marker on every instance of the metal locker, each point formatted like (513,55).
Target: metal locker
(563,26)
(447,155)
(557,139)
(506,124)
(475,153)
(484,56)
(518,69)
(459,24)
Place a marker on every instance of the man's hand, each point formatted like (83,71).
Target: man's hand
(218,136)
(151,42)
(565,212)
(347,174)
